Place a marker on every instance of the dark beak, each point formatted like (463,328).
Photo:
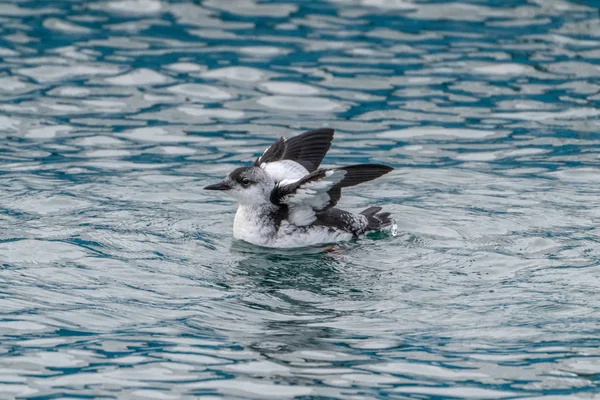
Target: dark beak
(218,186)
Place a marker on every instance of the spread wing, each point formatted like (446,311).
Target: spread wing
(321,190)
(296,156)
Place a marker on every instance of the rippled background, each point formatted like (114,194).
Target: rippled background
(119,277)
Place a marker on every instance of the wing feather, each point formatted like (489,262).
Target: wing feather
(321,190)
(309,148)
(284,169)
(306,149)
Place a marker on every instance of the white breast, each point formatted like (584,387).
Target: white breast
(249,225)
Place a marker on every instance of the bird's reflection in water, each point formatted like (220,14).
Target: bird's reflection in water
(309,268)
(295,287)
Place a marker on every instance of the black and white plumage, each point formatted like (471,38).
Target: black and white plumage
(286,200)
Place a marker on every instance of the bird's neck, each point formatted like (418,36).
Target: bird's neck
(254,223)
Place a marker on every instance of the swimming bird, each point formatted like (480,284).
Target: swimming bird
(286,200)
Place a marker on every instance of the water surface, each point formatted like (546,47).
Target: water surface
(119,277)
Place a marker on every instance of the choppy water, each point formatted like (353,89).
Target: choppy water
(119,278)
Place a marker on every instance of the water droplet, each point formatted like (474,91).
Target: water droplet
(394,230)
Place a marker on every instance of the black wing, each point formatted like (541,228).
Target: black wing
(321,190)
(307,149)
(356,174)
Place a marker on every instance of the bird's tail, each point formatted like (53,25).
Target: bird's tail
(375,219)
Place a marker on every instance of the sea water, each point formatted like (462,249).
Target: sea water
(119,277)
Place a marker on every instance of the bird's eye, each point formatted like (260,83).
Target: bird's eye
(245,181)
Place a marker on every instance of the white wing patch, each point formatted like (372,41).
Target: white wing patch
(284,169)
(310,197)
(301,216)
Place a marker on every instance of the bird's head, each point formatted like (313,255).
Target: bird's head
(248,185)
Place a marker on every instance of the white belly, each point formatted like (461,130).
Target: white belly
(290,236)
(250,226)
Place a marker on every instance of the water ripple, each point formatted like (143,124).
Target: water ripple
(118,273)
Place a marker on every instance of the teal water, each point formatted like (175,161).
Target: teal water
(119,277)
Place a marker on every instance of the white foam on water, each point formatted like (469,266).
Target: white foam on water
(21,326)
(99,141)
(253,8)
(7,52)
(213,34)
(55,359)
(211,112)
(438,132)
(176,150)
(583,366)
(245,74)
(185,67)
(155,394)
(105,105)
(308,103)
(121,165)
(263,51)
(161,135)
(56,24)
(8,124)
(139,77)
(578,69)
(278,87)
(421,369)
(107,153)
(201,91)
(503,69)
(390,4)
(497,155)
(478,156)
(71,91)
(47,132)
(246,388)
(540,116)
(456,392)
(13,84)
(530,151)
(582,174)
(14,10)
(17,390)
(120,43)
(63,108)
(50,204)
(39,251)
(45,342)
(264,366)
(135,6)
(50,73)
